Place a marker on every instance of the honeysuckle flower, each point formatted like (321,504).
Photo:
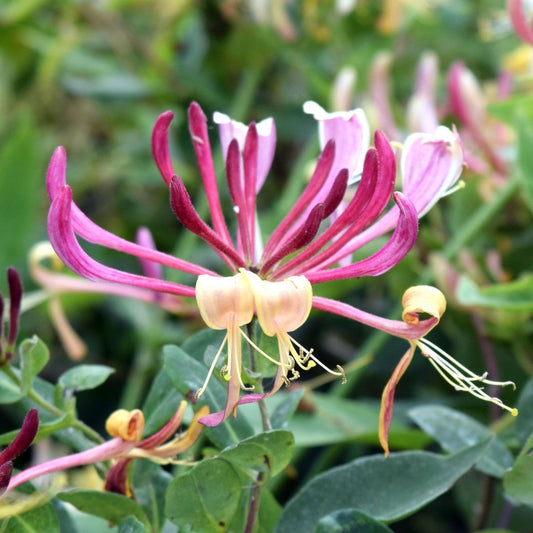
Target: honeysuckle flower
(521,21)
(469,103)
(275,281)
(430,165)
(7,343)
(127,428)
(20,444)
(429,300)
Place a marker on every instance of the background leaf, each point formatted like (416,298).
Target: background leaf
(85,377)
(350,521)
(206,497)
(113,507)
(455,431)
(385,488)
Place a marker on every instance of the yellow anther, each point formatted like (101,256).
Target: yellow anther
(128,425)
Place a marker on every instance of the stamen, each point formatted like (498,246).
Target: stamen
(453,372)
(201,390)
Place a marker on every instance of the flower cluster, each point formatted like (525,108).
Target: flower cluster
(127,428)
(345,205)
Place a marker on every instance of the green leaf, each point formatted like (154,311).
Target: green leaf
(40,520)
(113,507)
(161,403)
(518,482)
(524,421)
(514,296)
(132,525)
(85,377)
(508,110)
(197,345)
(150,483)
(268,452)
(525,158)
(330,420)
(455,431)
(9,391)
(350,521)
(34,355)
(385,488)
(188,376)
(206,497)
(21,190)
(286,408)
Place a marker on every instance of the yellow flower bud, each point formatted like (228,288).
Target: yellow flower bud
(422,299)
(128,425)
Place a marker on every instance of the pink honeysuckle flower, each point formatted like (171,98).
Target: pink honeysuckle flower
(522,22)
(422,106)
(274,282)
(127,428)
(468,103)
(430,164)
(430,301)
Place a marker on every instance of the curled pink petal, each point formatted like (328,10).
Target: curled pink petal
(398,328)
(266,142)
(202,148)
(91,232)
(522,26)
(63,239)
(24,438)
(402,240)
(351,133)
(160,149)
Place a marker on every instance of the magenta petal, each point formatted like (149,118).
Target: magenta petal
(91,232)
(56,172)
(63,239)
(160,149)
(214,419)
(431,165)
(151,269)
(6,470)
(398,328)
(351,133)
(283,231)
(25,437)
(401,241)
(521,24)
(266,138)
(202,148)
(15,298)
(189,217)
